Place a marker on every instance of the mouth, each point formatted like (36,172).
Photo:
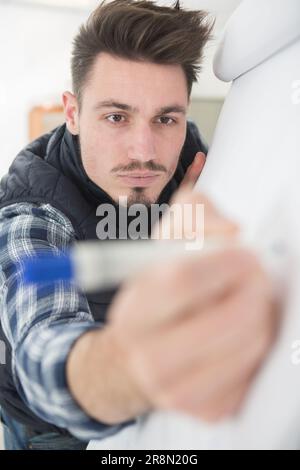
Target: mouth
(139,179)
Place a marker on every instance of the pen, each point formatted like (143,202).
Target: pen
(96,265)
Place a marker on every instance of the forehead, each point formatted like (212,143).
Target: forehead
(135,82)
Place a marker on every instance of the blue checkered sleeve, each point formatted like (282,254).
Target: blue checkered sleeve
(42,322)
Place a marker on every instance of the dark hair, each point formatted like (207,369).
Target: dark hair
(140,30)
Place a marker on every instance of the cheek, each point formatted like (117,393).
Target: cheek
(172,151)
(96,152)
(174,138)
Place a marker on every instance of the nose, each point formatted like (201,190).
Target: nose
(142,145)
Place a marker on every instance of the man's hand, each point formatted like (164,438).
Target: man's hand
(191,334)
(187,335)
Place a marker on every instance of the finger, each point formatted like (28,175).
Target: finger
(183,284)
(208,334)
(194,170)
(191,392)
(222,406)
(215,223)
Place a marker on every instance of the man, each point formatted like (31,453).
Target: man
(186,336)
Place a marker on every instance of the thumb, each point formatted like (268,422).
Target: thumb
(194,170)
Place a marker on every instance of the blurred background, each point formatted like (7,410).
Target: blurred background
(35,48)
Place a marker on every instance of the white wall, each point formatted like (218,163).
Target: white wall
(34,65)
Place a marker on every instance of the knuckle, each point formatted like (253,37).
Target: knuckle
(244,259)
(172,276)
(258,353)
(211,414)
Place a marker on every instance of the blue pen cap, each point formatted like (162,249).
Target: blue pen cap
(48,268)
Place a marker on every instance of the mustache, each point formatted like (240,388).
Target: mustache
(151,166)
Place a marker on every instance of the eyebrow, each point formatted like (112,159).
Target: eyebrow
(176,108)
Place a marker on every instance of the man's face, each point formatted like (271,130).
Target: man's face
(132,126)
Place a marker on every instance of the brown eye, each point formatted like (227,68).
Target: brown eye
(166,120)
(115,118)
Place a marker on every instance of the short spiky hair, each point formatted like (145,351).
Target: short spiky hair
(140,30)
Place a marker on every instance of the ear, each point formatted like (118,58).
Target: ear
(71,111)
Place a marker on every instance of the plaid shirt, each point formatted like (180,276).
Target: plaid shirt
(42,322)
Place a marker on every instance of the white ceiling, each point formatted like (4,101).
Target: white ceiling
(221,6)
(221,9)
(218,6)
